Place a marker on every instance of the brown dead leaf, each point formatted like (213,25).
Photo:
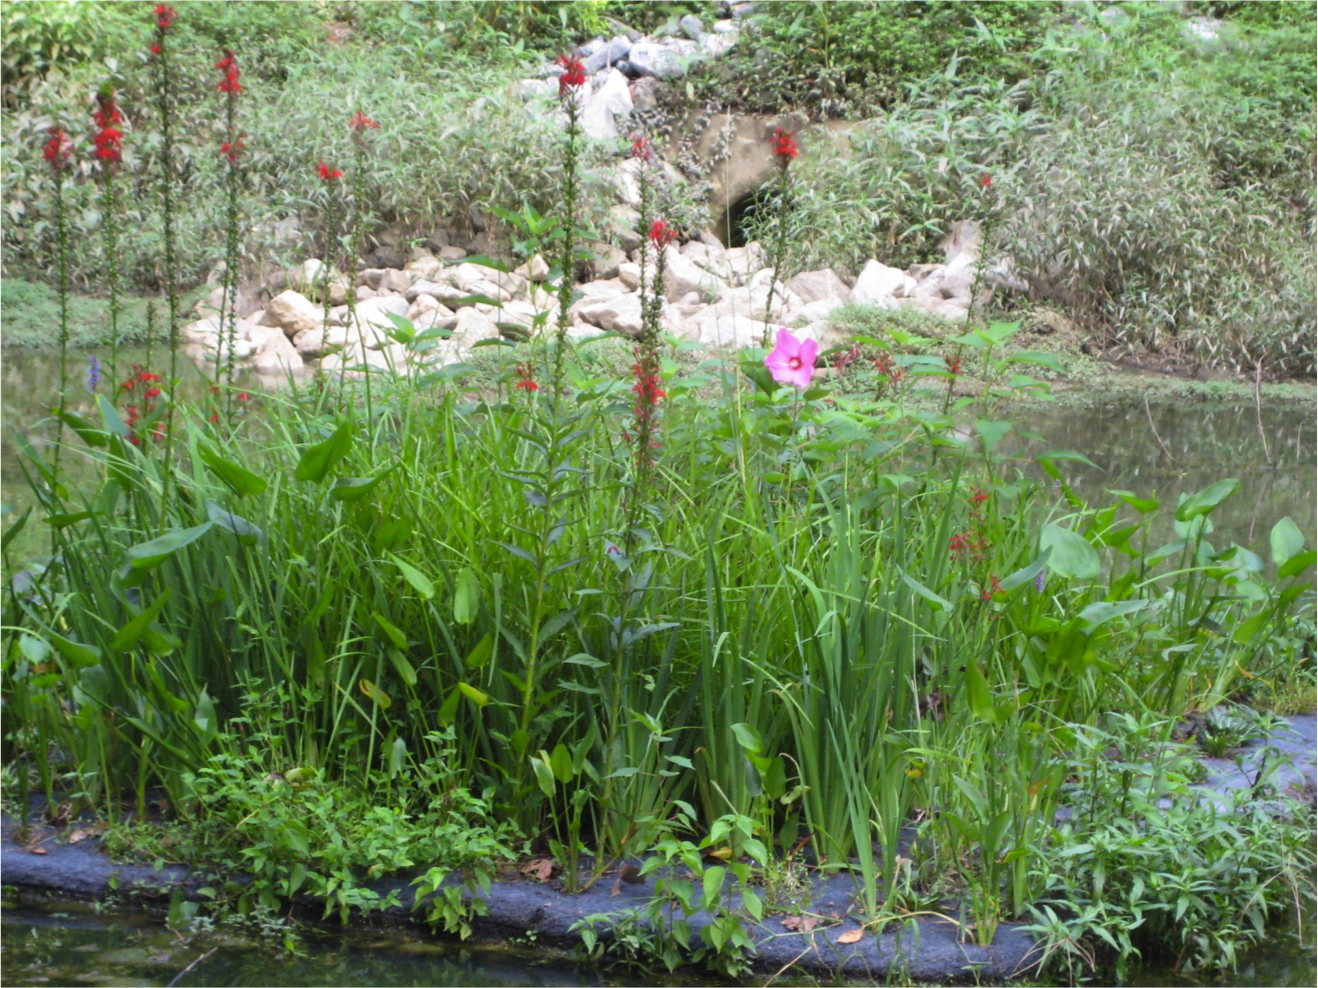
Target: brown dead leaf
(801,924)
(852,936)
(539,868)
(37,850)
(82,833)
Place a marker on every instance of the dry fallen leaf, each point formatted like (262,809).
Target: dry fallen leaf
(95,830)
(539,868)
(851,936)
(802,924)
(37,850)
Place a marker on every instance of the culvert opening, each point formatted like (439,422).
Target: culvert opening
(742,218)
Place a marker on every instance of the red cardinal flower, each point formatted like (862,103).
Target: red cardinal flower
(58,149)
(995,587)
(106,116)
(526,382)
(574,74)
(327,174)
(784,144)
(361,122)
(953,365)
(165,15)
(229,66)
(985,180)
(661,234)
(232,150)
(641,148)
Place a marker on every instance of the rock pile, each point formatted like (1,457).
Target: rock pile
(714,296)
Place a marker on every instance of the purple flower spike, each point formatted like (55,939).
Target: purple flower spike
(1040,581)
(93,373)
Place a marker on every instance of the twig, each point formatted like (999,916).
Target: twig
(1155,432)
(179,977)
(1258,410)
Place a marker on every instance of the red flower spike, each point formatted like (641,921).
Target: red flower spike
(165,15)
(58,149)
(574,74)
(361,122)
(985,180)
(784,144)
(978,496)
(155,49)
(327,174)
(661,234)
(641,148)
(994,588)
(953,365)
(234,150)
(527,382)
(229,66)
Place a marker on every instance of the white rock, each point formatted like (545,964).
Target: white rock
(293,312)
(277,356)
(426,267)
(811,313)
(682,276)
(422,305)
(202,331)
(473,326)
(814,286)
(621,314)
(450,252)
(716,329)
(316,343)
(441,291)
(310,276)
(877,284)
(746,261)
(603,107)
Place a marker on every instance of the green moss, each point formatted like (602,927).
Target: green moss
(32,316)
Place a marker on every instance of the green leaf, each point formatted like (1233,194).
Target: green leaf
(12,531)
(391,630)
(404,668)
(938,603)
(87,432)
(1102,611)
(153,553)
(318,460)
(131,633)
(1298,563)
(544,775)
(418,580)
(480,653)
(238,479)
(748,738)
(1141,504)
(1206,500)
(64,521)
(397,757)
(78,654)
(1071,554)
(474,695)
(560,762)
(467,597)
(114,425)
(981,700)
(992,431)
(377,696)
(1287,541)
(355,488)
(1040,358)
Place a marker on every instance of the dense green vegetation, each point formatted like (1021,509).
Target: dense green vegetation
(685,613)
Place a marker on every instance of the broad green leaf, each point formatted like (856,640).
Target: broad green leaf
(1298,563)
(544,775)
(149,554)
(467,597)
(394,634)
(480,652)
(241,481)
(131,633)
(247,533)
(1039,357)
(981,700)
(560,761)
(404,668)
(1026,573)
(78,654)
(748,737)
(377,696)
(64,521)
(1141,504)
(1287,541)
(992,431)
(474,695)
(938,603)
(397,757)
(1103,611)
(114,425)
(318,460)
(1072,556)
(87,432)
(12,531)
(1206,500)
(355,488)
(419,581)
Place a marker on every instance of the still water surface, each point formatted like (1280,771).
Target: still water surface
(1165,449)
(75,943)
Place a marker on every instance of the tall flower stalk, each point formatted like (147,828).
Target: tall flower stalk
(784,150)
(231,86)
(163,86)
(986,214)
(109,154)
(569,85)
(360,124)
(58,153)
(330,176)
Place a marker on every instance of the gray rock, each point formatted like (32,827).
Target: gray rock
(725,27)
(620,314)
(608,54)
(626,30)
(742,10)
(277,356)
(293,312)
(653,59)
(691,27)
(876,284)
(645,94)
(601,108)
(452,253)
(812,286)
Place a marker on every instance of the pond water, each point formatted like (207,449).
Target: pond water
(68,943)
(1163,449)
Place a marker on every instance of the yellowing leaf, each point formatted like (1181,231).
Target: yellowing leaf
(378,696)
(852,936)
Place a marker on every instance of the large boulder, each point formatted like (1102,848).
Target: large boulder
(620,314)
(681,275)
(602,107)
(877,284)
(599,54)
(719,329)
(277,356)
(311,278)
(293,312)
(813,286)
(650,58)
(315,343)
